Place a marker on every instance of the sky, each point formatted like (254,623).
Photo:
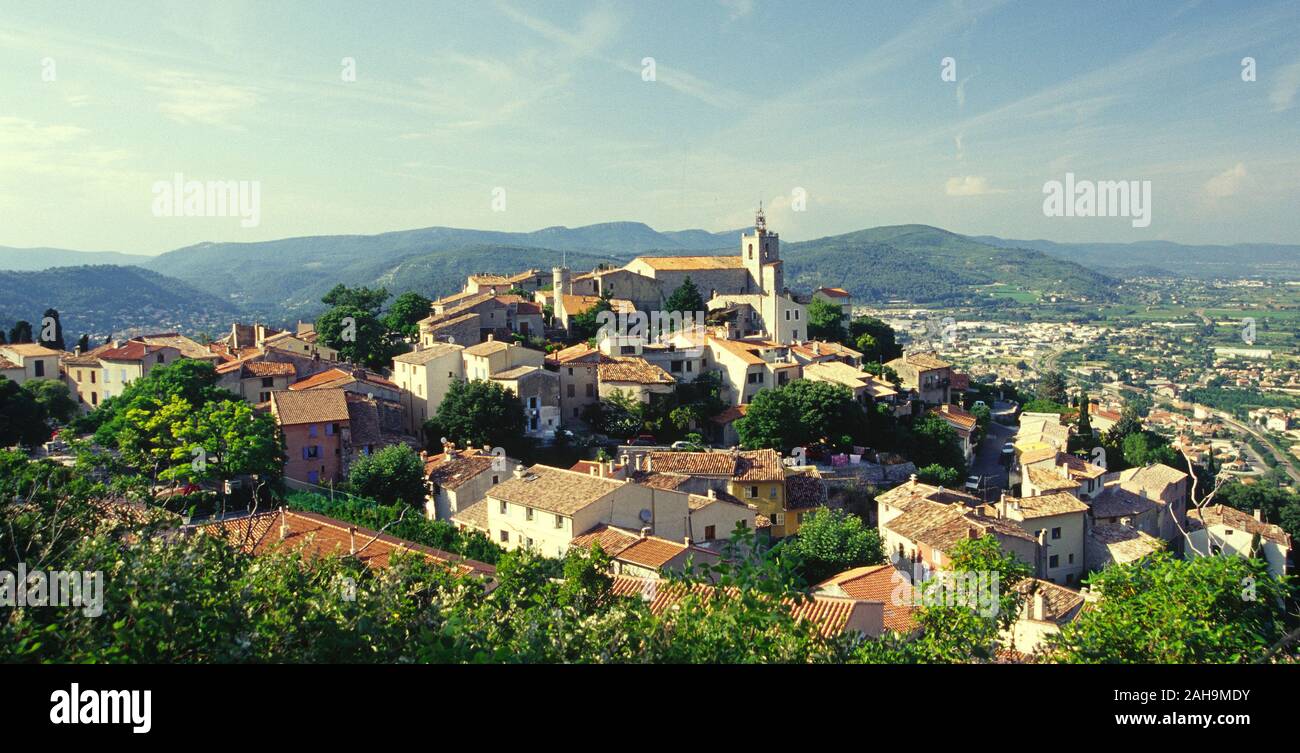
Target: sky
(517,116)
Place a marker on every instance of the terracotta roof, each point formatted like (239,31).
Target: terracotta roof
(581,351)
(694,463)
(187,347)
(658,480)
(692,262)
(830,614)
(1046,505)
(309,406)
(904,495)
(737,349)
(759,465)
(804,489)
(1124,544)
(30,349)
(956,417)
(943,526)
(487,348)
(634,370)
(556,490)
(730,414)
(6,365)
(1230,517)
(700,501)
(920,361)
(427,354)
(612,540)
(1050,480)
(517,372)
(132,350)
(451,472)
(1117,502)
(1155,478)
(834,292)
(474,516)
(881,583)
(1060,604)
(321,536)
(335,378)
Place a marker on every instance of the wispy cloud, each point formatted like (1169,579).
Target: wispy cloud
(1285,87)
(970,185)
(187,98)
(1227,182)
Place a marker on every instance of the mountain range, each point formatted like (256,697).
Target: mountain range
(282,280)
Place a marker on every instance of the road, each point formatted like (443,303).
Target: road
(988,460)
(1283,461)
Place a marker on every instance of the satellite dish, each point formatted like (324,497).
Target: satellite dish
(451,339)
(646,516)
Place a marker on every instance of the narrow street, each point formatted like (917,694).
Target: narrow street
(988,460)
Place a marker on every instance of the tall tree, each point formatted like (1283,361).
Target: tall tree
(22,418)
(825,321)
(54,397)
(686,298)
(83,344)
(882,345)
(405,312)
(352,326)
(21,332)
(1053,388)
(831,541)
(477,413)
(52,330)
(392,474)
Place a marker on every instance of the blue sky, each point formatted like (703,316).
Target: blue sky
(547,101)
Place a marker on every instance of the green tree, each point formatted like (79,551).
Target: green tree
(22,417)
(1145,448)
(884,343)
(405,312)
(933,442)
(54,397)
(1167,610)
(21,332)
(686,298)
(229,437)
(1053,388)
(477,413)
(55,340)
(352,326)
(585,325)
(83,343)
(392,474)
(1085,423)
(939,475)
(832,541)
(826,321)
(801,414)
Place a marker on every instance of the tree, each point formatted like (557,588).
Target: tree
(193,382)
(832,541)
(392,474)
(586,324)
(1145,448)
(618,415)
(477,413)
(1053,388)
(54,397)
(686,298)
(939,475)
(1170,610)
(801,414)
(353,328)
(21,332)
(234,440)
(826,321)
(83,344)
(1085,423)
(53,338)
(22,417)
(883,345)
(934,442)
(405,313)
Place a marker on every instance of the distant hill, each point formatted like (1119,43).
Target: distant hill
(255,274)
(926,264)
(105,299)
(32,259)
(1146,258)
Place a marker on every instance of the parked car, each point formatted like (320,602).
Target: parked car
(973,484)
(642,440)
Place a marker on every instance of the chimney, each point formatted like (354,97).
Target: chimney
(645,532)
(519,470)
(649,465)
(1040,606)
(284,524)
(1259,515)
(638,463)
(491,337)
(352,539)
(609,469)
(687,541)
(713,494)
(912,479)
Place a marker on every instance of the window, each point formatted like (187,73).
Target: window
(313,477)
(161,358)
(503,507)
(559,521)
(310,451)
(591,390)
(268,381)
(710,533)
(787,315)
(572,390)
(92,377)
(94,398)
(505,536)
(771,492)
(796,315)
(496,480)
(753,491)
(528,542)
(1071,559)
(570,374)
(689,367)
(331,429)
(311,430)
(1056,533)
(1054,560)
(263,397)
(676,367)
(528,513)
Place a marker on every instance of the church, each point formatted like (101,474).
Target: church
(747,291)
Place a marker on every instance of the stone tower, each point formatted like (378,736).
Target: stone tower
(760,252)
